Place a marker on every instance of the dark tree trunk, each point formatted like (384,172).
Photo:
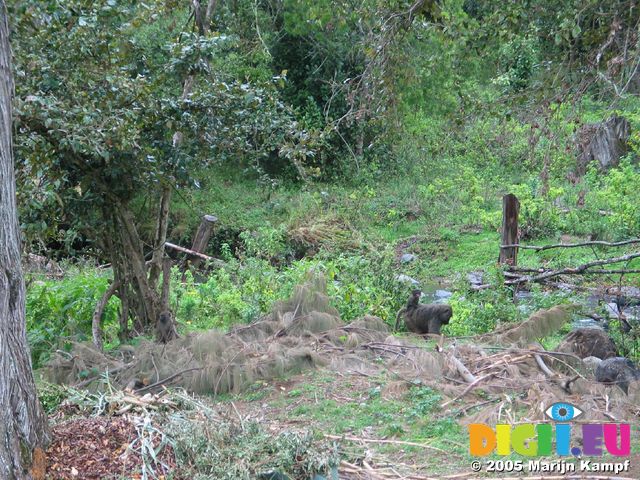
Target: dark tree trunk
(96,324)
(23,425)
(130,269)
(510,210)
(161,236)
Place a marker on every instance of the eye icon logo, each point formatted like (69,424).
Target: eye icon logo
(563,412)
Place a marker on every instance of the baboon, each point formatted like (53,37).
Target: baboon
(619,371)
(424,318)
(165,329)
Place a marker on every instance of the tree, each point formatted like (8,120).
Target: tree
(119,104)
(23,427)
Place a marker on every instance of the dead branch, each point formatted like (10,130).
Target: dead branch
(579,270)
(543,366)
(467,390)
(462,370)
(215,261)
(541,248)
(389,442)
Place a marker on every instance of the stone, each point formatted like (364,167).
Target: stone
(407,258)
(402,278)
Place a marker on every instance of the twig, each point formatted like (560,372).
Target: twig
(467,390)
(239,416)
(155,367)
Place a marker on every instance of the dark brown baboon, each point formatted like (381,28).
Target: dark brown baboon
(165,329)
(424,318)
(617,371)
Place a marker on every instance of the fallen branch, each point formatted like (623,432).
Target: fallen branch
(389,442)
(513,271)
(580,270)
(215,261)
(601,243)
(467,390)
(463,371)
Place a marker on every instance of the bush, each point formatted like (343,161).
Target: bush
(58,311)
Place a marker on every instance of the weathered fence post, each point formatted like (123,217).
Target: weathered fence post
(201,238)
(510,210)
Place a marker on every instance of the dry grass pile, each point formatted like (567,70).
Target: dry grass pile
(300,333)
(304,332)
(326,232)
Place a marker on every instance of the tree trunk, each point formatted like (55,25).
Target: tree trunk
(97,315)
(161,236)
(510,210)
(128,259)
(23,425)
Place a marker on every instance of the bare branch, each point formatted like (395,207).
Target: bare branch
(580,270)
(572,245)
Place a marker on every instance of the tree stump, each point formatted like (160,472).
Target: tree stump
(604,143)
(201,239)
(510,210)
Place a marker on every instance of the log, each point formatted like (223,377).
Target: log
(510,209)
(201,239)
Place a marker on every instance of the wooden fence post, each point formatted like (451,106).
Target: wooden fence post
(201,238)
(510,210)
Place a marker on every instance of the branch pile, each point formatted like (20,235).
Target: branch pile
(518,275)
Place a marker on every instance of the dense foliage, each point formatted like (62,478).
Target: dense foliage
(325,135)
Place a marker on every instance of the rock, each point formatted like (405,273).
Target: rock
(619,371)
(407,258)
(475,278)
(604,142)
(523,295)
(402,278)
(612,310)
(442,294)
(588,342)
(587,323)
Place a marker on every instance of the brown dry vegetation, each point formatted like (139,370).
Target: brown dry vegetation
(301,368)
